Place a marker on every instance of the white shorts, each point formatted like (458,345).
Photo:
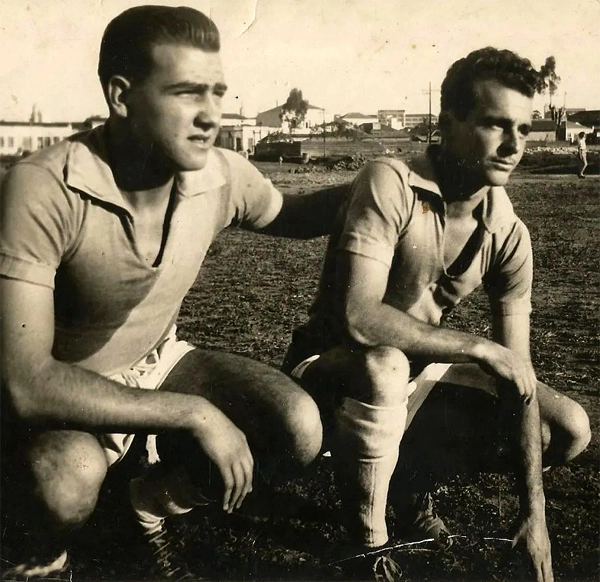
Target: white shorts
(147,374)
(420,386)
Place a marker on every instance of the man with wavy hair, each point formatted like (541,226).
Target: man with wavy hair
(404,400)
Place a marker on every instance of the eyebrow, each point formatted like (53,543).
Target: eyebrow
(503,121)
(200,87)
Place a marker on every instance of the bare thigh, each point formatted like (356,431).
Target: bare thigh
(459,428)
(277,416)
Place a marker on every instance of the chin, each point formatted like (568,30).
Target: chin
(498,178)
(189,163)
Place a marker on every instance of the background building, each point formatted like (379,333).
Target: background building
(241,134)
(542,130)
(414,119)
(393,118)
(314,117)
(17,137)
(359,119)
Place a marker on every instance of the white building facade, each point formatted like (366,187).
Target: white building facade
(241,134)
(18,137)
(315,116)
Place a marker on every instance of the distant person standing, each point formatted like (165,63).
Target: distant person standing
(581,154)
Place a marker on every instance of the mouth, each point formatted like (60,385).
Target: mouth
(201,140)
(503,165)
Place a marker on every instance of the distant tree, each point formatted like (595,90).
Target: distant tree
(548,80)
(294,109)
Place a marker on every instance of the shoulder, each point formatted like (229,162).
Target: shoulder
(232,164)
(385,176)
(50,164)
(387,168)
(38,184)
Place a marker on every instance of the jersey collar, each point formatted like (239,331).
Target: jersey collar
(497,208)
(88,170)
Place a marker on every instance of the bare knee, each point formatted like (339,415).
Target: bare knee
(568,437)
(67,472)
(302,428)
(577,428)
(386,376)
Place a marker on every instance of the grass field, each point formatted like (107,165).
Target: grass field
(253,290)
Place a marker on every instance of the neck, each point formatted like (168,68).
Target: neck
(458,183)
(135,166)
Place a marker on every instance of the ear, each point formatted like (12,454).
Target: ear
(117,94)
(444,120)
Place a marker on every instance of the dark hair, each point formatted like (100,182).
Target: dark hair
(581,133)
(489,63)
(129,37)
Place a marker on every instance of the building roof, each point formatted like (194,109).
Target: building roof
(543,125)
(36,123)
(357,115)
(280,107)
(575,125)
(590,117)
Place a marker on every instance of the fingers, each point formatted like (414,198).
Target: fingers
(228,484)
(543,570)
(529,385)
(548,575)
(237,481)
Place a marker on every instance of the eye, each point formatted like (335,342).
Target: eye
(524,130)
(188,92)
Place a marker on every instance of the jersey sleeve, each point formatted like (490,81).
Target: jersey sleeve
(509,281)
(379,208)
(256,202)
(36,219)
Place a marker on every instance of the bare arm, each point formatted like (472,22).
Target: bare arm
(307,215)
(48,393)
(370,321)
(524,422)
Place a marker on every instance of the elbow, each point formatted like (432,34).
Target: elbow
(358,327)
(15,401)
(19,397)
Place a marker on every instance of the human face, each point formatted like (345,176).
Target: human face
(175,111)
(490,142)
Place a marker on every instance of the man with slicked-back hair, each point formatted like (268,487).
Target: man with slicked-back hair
(102,236)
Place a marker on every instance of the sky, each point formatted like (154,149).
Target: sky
(345,55)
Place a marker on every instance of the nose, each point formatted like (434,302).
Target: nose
(512,142)
(208,114)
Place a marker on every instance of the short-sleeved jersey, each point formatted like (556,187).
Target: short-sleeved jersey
(395,214)
(65,226)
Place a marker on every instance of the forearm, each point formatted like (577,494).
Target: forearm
(59,395)
(306,216)
(382,324)
(528,457)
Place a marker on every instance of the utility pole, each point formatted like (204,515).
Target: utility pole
(324,136)
(429,124)
(429,130)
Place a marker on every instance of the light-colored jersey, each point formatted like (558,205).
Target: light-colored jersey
(395,215)
(65,226)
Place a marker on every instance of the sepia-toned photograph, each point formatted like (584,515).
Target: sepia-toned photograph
(299,290)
